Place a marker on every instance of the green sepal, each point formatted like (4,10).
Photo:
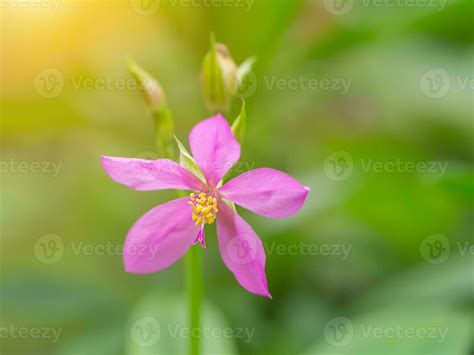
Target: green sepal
(187,161)
(244,69)
(240,124)
(230,204)
(218,73)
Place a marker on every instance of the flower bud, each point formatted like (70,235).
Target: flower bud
(217,67)
(149,87)
(156,101)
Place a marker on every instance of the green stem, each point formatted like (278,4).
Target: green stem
(193,267)
(194,290)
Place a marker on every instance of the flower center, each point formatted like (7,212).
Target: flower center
(204,212)
(204,208)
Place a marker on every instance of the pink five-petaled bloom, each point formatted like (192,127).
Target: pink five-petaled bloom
(167,231)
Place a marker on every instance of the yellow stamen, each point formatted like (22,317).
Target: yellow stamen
(204,208)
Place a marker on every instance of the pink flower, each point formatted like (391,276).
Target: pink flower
(164,234)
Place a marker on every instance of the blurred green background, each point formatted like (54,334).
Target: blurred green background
(370,103)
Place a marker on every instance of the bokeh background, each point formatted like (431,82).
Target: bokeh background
(370,103)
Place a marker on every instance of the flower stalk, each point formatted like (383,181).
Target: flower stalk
(194,290)
(155,99)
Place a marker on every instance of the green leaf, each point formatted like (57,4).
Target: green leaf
(159,325)
(240,124)
(187,161)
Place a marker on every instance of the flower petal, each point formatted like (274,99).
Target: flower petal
(214,148)
(159,238)
(266,191)
(144,175)
(242,251)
